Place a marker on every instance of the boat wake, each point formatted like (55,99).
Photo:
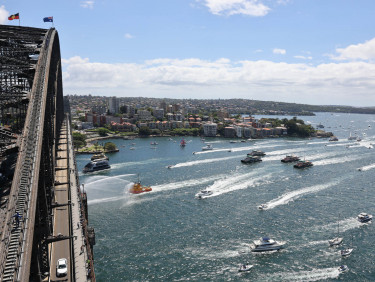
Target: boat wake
(337,160)
(238,182)
(312,275)
(291,196)
(345,225)
(183,184)
(367,167)
(205,161)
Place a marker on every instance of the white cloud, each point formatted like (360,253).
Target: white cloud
(340,83)
(87,4)
(279,51)
(303,57)
(232,7)
(4,14)
(128,36)
(362,51)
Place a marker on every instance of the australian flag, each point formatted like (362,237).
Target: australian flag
(48,19)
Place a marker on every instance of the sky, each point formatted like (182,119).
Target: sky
(319,52)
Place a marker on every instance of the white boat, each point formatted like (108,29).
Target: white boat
(343,268)
(262,207)
(335,241)
(245,267)
(132,148)
(203,194)
(346,252)
(208,147)
(364,217)
(266,244)
(154,143)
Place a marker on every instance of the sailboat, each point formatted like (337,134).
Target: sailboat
(337,240)
(347,251)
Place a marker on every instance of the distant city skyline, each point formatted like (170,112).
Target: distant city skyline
(314,52)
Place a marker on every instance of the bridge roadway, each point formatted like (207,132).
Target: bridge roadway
(67,218)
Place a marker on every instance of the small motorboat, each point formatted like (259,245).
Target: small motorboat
(262,207)
(208,147)
(343,268)
(154,143)
(346,252)
(169,166)
(203,194)
(245,267)
(364,217)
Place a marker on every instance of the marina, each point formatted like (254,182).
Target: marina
(150,235)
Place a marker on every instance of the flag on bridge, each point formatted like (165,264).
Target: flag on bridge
(14,17)
(48,19)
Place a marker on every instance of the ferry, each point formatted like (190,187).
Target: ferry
(137,188)
(96,166)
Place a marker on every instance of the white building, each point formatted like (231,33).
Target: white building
(210,129)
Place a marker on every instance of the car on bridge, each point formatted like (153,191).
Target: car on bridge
(62,267)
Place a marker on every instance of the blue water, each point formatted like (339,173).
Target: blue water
(168,235)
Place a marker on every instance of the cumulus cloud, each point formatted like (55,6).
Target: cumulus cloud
(279,51)
(87,4)
(128,36)
(362,51)
(4,14)
(233,7)
(341,83)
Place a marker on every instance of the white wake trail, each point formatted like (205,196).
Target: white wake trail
(367,167)
(291,196)
(199,162)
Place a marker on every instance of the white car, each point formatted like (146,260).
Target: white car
(62,267)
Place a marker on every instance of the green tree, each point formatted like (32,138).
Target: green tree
(103,131)
(82,118)
(109,146)
(79,140)
(144,131)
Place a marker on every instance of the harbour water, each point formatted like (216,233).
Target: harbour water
(169,235)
